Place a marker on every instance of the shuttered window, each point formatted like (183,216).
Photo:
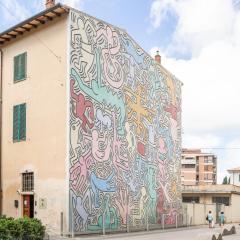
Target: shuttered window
(19,122)
(20,67)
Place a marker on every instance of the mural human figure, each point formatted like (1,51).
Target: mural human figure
(81,107)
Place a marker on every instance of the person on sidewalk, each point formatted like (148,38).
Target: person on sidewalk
(210,219)
(221,219)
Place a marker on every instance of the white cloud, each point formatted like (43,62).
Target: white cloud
(233,154)
(74,3)
(201,141)
(199,22)
(159,10)
(211,77)
(209,32)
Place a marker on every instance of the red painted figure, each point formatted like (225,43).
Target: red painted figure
(81,106)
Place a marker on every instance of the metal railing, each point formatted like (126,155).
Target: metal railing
(132,224)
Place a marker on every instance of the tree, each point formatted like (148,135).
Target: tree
(225,180)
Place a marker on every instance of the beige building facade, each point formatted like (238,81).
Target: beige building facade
(198,168)
(43,152)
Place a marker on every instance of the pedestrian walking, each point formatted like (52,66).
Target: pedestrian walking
(221,219)
(210,219)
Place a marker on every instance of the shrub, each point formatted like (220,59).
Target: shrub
(21,229)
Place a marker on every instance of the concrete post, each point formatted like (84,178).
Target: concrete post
(61,221)
(147,219)
(163,221)
(176,220)
(193,213)
(104,230)
(72,225)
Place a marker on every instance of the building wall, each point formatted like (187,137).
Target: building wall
(235,199)
(44,151)
(207,198)
(235,178)
(189,176)
(125,133)
(197,212)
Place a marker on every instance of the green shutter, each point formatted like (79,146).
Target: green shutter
(20,67)
(15,68)
(15,123)
(22,124)
(19,122)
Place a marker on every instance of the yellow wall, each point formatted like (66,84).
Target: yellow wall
(44,92)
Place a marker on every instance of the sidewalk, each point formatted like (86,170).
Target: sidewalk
(192,233)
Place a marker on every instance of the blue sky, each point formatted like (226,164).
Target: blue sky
(199,41)
(134,18)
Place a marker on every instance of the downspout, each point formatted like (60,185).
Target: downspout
(1,73)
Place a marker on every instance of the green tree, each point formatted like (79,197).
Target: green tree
(225,180)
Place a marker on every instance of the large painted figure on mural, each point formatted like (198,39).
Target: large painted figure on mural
(125,131)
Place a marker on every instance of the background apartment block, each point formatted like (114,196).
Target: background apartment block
(198,168)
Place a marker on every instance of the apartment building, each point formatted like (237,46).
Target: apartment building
(91,125)
(198,168)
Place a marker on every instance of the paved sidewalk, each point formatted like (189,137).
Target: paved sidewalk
(194,233)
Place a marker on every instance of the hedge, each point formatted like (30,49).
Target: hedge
(21,229)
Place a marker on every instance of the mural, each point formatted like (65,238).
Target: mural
(125,131)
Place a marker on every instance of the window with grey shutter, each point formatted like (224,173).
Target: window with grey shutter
(20,67)
(19,122)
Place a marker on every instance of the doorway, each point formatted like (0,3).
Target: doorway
(28,206)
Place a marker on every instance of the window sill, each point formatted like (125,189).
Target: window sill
(19,80)
(21,140)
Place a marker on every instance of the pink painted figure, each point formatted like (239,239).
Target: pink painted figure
(162,147)
(81,106)
(78,172)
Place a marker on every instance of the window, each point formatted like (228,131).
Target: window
(19,122)
(208,168)
(208,176)
(190,199)
(188,165)
(221,200)
(27,182)
(20,63)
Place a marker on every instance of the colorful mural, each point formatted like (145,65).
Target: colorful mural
(125,131)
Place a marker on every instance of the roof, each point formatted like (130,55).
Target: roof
(234,169)
(195,152)
(211,189)
(31,23)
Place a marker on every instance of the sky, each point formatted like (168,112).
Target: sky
(199,41)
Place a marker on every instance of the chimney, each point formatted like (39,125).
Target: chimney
(50,3)
(158,57)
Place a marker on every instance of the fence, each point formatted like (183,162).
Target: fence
(191,214)
(146,223)
(197,212)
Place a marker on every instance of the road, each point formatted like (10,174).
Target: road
(196,233)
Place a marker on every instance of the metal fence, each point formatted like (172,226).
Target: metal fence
(147,223)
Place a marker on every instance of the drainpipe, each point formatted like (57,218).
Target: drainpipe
(1,73)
